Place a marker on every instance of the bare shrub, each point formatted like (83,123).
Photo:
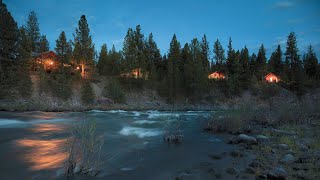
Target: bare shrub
(296,113)
(231,122)
(238,120)
(172,131)
(85,150)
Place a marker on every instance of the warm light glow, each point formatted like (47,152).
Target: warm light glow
(272,78)
(51,63)
(66,65)
(216,75)
(44,154)
(78,68)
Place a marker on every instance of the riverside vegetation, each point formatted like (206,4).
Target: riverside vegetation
(278,123)
(179,77)
(284,138)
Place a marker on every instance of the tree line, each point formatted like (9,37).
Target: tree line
(183,71)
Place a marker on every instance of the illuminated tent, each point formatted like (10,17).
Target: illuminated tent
(136,73)
(272,78)
(216,75)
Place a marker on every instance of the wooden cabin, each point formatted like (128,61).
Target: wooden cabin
(272,78)
(216,75)
(48,60)
(136,73)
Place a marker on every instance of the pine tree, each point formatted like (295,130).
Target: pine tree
(115,58)
(61,83)
(218,55)
(9,35)
(188,76)
(103,67)
(153,56)
(128,52)
(244,68)
(261,63)
(174,66)
(292,60)
(140,51)
(310,62)
(233,70)
(295,71)
(231,59)
(200,73)
(33,31)
(252,64)
(63,49)
(44,44)
(205,52)
(24,84)
(84,50)
(87,93)
(275,62)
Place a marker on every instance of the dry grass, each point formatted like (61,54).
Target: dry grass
(173,131)
(85,150)
(283,114)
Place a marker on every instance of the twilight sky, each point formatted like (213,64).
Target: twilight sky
(247,22)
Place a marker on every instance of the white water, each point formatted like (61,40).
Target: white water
(144,122)
(139,132)
(10,123)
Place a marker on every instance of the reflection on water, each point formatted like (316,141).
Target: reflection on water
(44,154)
(47,128)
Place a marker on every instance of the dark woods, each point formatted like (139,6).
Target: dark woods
(182,72)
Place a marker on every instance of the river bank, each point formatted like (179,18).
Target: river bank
(284,140)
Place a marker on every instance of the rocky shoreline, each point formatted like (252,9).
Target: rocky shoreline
(277,154)
(22,105)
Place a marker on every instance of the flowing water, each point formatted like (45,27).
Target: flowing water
(34,145)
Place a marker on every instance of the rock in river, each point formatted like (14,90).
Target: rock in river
(277,173)
(283,147)
(243,138)
(262,138)
(287,159)
(232,171)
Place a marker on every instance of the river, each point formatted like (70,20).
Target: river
(34,145)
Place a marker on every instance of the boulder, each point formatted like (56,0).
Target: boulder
(283,132)
(277,173)
(316,154)
(250,170)
(186,176)
(243,138)
(305,158)
(232,171)
(104,101)
(287,159)
(255,164)
(283,147)
(215,156)
(236,154)
(233,140)
(262,138)
(303,147)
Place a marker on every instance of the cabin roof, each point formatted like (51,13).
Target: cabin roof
(44,54)
(270,74)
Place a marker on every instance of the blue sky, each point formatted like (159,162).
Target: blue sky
(248,22)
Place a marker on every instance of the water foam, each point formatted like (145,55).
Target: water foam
(136,113)
(8,122)
(140,132)
(158,114)
(144,122)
